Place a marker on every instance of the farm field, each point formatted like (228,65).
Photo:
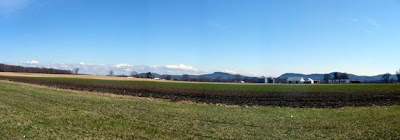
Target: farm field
(99,77)
(38,112)
(315,96)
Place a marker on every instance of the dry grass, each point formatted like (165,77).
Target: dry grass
(72,76)
(99,77)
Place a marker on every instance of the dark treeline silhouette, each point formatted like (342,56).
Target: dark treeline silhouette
(386,77)
(398,75)
(200,78)
(340,76)
(12,68)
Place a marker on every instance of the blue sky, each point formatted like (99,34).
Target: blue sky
(252,37)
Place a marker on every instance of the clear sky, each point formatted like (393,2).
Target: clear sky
(253,37)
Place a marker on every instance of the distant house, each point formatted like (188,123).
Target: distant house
(309,81)
(295,80)
(341,81)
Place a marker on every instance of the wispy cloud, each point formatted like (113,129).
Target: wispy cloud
(366,30)
(218,25)
(354,19)
(181,67)
(372,22)
(231,71)
(122,68)
(255,74)
(125,68)
(123,65)
(9,7)
(366,25)
(31,62)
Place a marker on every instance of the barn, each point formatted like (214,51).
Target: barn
(295,80)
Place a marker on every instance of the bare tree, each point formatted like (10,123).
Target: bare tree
(111,73)
(168,77)
(133,74)
(327,77)
(149,75)
(344,76)
(386,77)
(76,70)
(398,75)
(185,77)
(335,76)
(12,68)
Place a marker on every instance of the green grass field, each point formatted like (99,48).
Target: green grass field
(44,113)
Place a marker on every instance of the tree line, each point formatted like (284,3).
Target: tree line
(13,68)
(233,79)
(398,75)
(185,77)
(336,77)
(386,77)
(238,78)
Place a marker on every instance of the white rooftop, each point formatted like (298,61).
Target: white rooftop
(295,79)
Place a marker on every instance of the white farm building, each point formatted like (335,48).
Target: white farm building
(299,80)
(295,80)
(309,81)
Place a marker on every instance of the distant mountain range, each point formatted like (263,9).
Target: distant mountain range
(227,76)
(216,76)
(352,77)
